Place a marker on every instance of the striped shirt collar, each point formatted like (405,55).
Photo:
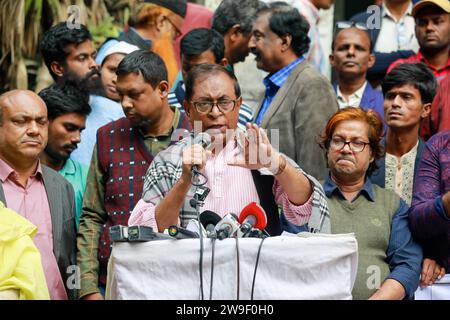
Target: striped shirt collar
(279,78)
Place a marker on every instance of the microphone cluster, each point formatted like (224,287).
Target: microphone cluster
(250,224)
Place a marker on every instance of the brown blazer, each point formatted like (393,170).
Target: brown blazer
(300,111)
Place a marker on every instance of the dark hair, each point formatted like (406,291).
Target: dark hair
(231,12)
(286,20)
(339,30)
(147,63)
(199,40)
(205,70)
(415,74)
(375,134)
(56,39)
(65,98)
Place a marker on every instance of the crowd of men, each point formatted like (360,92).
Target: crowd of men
(110,142)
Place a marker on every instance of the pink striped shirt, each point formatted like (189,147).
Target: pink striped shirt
(31,203)
(232,188)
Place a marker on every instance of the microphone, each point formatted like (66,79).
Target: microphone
(227,227)
(180,233)
(252,216)
(203,139)
(209,220)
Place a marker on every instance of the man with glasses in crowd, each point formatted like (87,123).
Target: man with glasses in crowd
(238,170)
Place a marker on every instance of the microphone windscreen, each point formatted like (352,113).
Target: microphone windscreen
(208,217)
(203,139)
(254,209)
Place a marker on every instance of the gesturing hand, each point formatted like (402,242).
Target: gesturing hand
(257,151)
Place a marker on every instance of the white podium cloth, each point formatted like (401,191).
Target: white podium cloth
(440,290)
(298,267)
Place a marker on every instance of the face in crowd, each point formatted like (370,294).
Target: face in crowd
(24,127)
(214,103)
(351,53)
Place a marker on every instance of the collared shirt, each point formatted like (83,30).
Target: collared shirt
(176,99)
(31,202)
(440,74)
(430,222)
(400,173)
(400,241)
(273,82)
(232,188)
(76,174)
(354,100)
(104,110)
(396,35)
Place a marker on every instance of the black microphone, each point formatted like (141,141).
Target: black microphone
(203,139)
(209,220)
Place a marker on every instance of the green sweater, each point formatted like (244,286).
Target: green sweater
(371,224)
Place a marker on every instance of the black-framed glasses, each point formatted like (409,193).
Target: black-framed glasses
(354,145)
(225,105)
(351,24)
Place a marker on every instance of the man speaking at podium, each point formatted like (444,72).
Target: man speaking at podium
(237,168)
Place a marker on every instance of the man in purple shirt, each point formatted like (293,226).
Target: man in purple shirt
(35,191)
(430,210)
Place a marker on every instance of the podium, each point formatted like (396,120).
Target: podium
(305,266)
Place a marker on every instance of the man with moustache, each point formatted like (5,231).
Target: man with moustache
(106,104)
(69,54)
(408,93)
(67,109)
(35,191)
(124,149)
(238,169)
(310,10)
(298,99)
(351,57)
(433,33)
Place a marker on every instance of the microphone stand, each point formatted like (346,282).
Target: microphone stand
(200,194)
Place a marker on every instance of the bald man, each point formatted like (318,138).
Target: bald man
(35,191)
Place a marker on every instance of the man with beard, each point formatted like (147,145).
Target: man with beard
(123,151)
(154,25)
(67,109)
(35,191)
(69,55)
(433,33)
(298,99)
(106,105)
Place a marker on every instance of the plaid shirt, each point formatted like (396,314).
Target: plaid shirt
(273,82)
(166,169)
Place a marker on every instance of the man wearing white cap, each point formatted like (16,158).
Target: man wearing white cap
(105,107)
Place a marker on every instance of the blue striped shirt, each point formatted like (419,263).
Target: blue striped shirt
(273,82)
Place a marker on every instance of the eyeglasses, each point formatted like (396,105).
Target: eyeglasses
(225,106)
(354,145)
(351,24)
